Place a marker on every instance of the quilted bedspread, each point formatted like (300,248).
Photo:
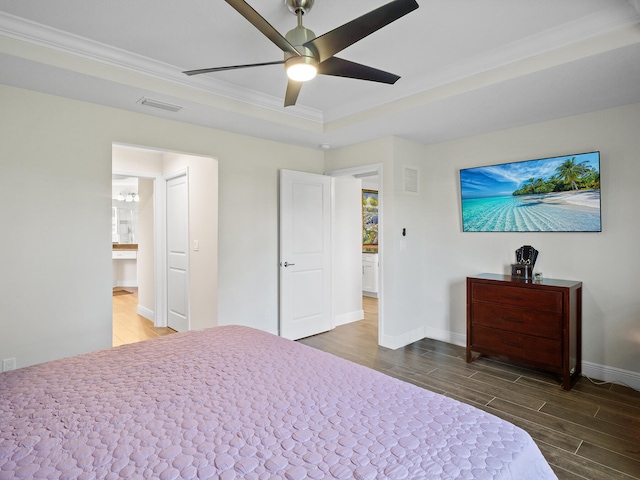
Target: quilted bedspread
(234,402)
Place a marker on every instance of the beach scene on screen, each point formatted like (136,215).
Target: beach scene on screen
(559,194)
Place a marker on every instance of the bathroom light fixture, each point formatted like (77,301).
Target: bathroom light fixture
(128,197)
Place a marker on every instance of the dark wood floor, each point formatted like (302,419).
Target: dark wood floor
(590,432)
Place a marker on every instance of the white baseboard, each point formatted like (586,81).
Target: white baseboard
(446,336)
(611,374)
(590,369)
(403,340)
(349,317)
(146,313)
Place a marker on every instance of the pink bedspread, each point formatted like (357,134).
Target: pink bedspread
(233,402)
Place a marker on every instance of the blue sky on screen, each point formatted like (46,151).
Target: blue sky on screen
(504,179)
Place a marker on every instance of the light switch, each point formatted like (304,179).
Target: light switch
(196,245)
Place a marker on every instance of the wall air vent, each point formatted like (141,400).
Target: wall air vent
(410,180)
(150,102)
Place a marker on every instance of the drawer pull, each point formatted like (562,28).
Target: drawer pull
(514,320)
(512,297)
(512,344)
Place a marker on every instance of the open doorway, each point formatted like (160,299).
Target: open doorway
(371,180)
(132,237)
(153,293)
(370,247)
(133,258)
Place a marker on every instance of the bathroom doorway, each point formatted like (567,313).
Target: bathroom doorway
(153,168)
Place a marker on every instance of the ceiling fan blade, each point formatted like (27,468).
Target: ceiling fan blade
(232,67)
(327,45)
(339,67)
(261,24)
(293,89)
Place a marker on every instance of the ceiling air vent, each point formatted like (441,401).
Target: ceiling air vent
(150,102)
(410,180)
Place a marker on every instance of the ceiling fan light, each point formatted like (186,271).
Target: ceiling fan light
(301,72)
(301,68)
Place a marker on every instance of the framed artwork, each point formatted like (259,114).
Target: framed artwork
(369,221)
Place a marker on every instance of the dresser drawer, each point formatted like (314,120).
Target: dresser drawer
(538,324)
(532,349)
(550,301)
(518,320)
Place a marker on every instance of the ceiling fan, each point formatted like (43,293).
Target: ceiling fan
(305,55)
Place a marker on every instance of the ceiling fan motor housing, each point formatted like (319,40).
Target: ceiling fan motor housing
(299,5)
(298,37)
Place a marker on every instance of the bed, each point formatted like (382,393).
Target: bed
(234,402)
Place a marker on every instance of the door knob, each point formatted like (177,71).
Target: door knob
(287,264)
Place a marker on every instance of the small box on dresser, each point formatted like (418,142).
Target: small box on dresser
(533,323)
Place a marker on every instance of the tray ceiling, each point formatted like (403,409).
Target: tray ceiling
(467,67)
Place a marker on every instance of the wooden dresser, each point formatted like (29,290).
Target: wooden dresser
(538,324)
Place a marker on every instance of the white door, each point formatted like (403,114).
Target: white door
(305,254)
(178,252)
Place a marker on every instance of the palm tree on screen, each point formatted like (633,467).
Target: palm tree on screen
(570,172)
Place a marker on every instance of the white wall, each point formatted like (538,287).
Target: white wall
(424,283)
(346,261)
(125,272)
(602,261)
(146,249)
(402,258)
(56,268)
(56,281)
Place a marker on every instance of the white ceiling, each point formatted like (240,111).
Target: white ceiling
(468,67)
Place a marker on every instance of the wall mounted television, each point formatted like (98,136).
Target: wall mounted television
(557,194)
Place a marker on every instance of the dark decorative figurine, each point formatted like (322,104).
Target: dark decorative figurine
(525,261)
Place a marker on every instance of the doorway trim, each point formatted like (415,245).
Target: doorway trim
(361,171)
(162,161)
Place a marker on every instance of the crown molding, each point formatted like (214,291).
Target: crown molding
(605,21)
(37,34)
(595,25)
(541,43)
